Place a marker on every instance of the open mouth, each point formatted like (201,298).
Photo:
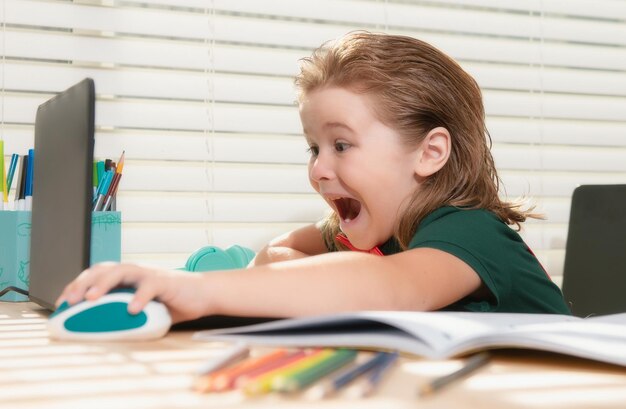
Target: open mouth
(347,208)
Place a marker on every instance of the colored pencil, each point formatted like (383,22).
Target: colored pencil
(345,378)
(221,379)
(301,379)
(239,351)
(263,383)
(255,373)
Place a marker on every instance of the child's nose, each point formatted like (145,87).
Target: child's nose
(321,168)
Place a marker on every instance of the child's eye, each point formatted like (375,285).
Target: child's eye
(341,146)
(313,150)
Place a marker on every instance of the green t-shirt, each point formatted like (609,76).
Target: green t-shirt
(515,278)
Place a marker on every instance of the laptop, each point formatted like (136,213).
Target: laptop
(62,191)
(594,276)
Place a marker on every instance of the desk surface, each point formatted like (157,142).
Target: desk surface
(36,372)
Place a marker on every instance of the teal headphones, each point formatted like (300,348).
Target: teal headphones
(212,258)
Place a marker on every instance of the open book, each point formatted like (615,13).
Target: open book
(439,335)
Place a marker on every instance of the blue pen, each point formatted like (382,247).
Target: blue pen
(102,190)
(28,205)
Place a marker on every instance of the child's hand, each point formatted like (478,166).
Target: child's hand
(183,293)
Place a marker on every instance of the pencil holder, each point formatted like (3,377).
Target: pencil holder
(106,233)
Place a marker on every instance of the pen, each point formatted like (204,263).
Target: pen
(472,364)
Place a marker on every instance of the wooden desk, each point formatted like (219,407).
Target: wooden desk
(36,372)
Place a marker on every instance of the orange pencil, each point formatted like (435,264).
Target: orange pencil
(224,378)
(120,163)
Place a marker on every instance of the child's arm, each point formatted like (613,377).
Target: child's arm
(303,242)
(419,279)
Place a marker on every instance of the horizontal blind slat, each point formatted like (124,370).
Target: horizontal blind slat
(176,84)
(495,22)
(241,58)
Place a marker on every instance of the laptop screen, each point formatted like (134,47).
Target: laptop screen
(62,191)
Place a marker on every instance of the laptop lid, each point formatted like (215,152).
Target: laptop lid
(62,191)
(594,276)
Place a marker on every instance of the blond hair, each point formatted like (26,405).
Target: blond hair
(416,88)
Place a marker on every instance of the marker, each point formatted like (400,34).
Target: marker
(28,194)
(3,185)
(12,166)
(100,171)
(94,178)
(104,187)
(18,185)
(21,194)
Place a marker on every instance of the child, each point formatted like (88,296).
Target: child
(399,152)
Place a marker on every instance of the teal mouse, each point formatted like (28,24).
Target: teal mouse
(107,319)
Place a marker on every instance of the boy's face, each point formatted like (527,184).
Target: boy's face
(358,164)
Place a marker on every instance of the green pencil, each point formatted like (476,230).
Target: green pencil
(300,380)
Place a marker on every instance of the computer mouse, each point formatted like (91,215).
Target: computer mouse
(108,319)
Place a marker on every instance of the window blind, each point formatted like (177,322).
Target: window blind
(199,93)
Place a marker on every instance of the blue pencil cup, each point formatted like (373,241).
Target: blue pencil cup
(106,233)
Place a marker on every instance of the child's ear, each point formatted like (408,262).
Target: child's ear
(434,152)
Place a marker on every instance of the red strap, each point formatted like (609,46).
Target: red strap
(343,239)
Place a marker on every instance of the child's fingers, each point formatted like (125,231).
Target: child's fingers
(143,295)
(77,289)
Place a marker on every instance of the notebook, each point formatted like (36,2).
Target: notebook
(594,274)
(442,334)
(62,191)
